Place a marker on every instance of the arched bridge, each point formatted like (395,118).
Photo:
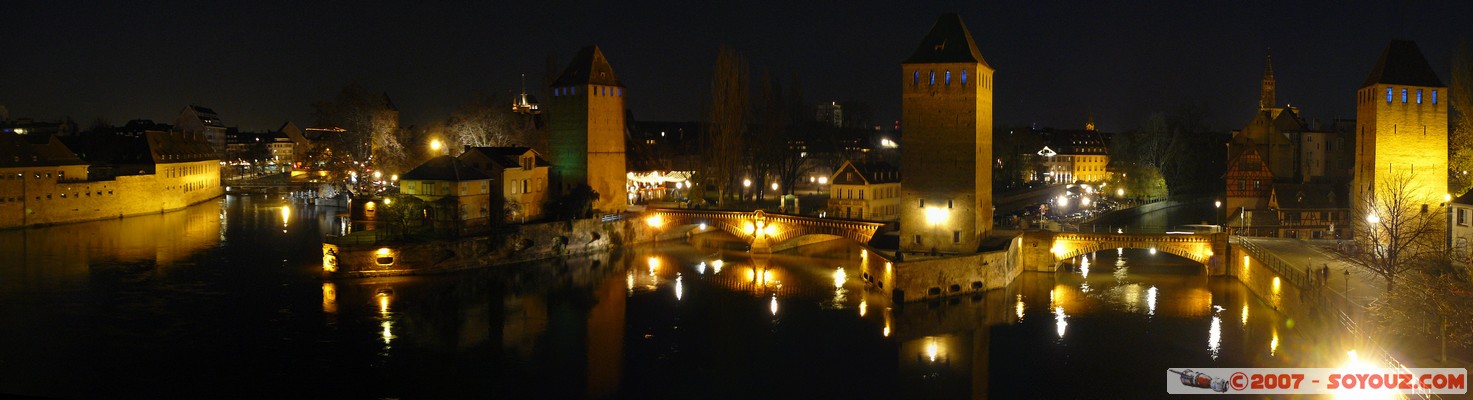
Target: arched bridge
(1208,249)
(762,230)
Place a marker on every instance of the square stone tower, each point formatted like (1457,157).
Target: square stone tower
(945,161)
(1401,127)
(587,130)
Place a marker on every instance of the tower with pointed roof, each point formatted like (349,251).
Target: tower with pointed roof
(587,130)
(946,108)
(1401,127)
(1266,94)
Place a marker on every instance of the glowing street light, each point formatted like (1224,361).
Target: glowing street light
(774,186)
(436,144)
(746,183)
(1373,219)
(1119,192)
(1062,201)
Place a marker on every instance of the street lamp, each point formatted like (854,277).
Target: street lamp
(1218,212)
(435,145)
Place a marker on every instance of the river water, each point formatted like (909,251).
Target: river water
(226,299)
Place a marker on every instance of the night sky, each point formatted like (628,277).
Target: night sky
(262,63)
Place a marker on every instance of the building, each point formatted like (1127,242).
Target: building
(1308,211)
(661,158)
(831,114)
(865,190)
(203,121)
(1460,228)
(520,173)
(1401,130)
(946,109)
(44,181)
(1071,156)
(587,130)
(1280,149)
(457,196)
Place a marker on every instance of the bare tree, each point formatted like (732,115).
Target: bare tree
(1460,144)
(1399,227)
(1434,300)
(484,122)
(727,119)
(370,122)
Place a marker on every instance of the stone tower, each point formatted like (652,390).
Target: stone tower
(946,109)
(1266,95)
(1401,127)
(587,130)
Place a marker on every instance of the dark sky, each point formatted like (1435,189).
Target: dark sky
(260,63)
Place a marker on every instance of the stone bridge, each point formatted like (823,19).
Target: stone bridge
(1047,249)
(762,230)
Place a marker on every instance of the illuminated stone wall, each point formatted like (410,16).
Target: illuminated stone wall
(948,142)
(952,276)
(50,200)
(1401,137)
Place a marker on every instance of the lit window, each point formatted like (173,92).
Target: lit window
(915,78)
(948,77)
(1403,95)
(1434,96)
(964,77)
(933,78)
(1388,95)
(1419,96)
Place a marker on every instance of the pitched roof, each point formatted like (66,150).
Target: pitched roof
(1466,198)
(1402,63)
(508,157)
(872,172)
(947,42)
(173,147)
(16,151)
(589,67)
(444,168)
(1307,196)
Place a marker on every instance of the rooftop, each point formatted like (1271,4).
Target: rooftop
(1402,63)
(947,42)
(444,168)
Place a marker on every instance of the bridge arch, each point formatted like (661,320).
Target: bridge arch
(763,230)
(1202,249)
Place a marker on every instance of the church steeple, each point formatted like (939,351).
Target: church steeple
(1266,97)
(1089,124)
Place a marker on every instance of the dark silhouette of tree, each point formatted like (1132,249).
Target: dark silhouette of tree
(1460,142)
(727,121)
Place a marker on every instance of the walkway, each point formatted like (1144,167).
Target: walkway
(1362,286)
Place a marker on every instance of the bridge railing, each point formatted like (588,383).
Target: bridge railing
(1295,276)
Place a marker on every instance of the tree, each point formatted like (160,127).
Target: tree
(727,119)
(486,123)
(370,122)
(1434,300)
(1460,144)
(1398,226)
(769,140)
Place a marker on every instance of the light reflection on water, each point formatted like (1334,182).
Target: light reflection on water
(572,329)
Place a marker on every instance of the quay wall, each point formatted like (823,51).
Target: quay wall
(35,197)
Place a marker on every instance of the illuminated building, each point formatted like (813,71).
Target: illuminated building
(203,121)
(1401,130)
(456,195)
(946,108)
(520,173)
(587,130)
(865,190)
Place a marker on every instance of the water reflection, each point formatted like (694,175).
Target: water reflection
(571,328)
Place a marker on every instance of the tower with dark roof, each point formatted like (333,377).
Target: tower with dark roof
(1266,98)
(1401,127)
(587,130)
(946,108)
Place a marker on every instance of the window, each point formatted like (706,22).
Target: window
(933,78)
(1403,95)
(923,203)
(1434,96)
(1419,96)
(915,78)
(1462,217)
(948,77)
(956,236)
(964,77)
(918,239)
(524,186)
(861,194)
(1388,95)
(948,203)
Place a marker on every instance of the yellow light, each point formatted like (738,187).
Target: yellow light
(1060,320)
(746,183)
(1018,307)
(383,303)
(286,214)
(1373,219)
(679,287)
(654,265)
(329,298)
(1273,345)
(773,305)
(388,201)
(1276,285)
(436,145)
(1153,251)
(377,175)
(823,180)
(839,277)
(1062,201)
(863,307)
(932,349)
(655,220)
(394,177)
(751,228)
(936,215)
(768,230)
(1245,313)
(774,186)
(886,332)
(383,252)
(716,266)
(1120,192)
(1084,201)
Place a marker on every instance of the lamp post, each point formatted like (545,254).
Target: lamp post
(1217,212)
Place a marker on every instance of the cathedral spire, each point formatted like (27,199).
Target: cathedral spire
(1266,97)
